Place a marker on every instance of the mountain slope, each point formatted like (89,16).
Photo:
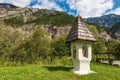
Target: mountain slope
(115,31)
(7,5)
(42,16)
(55,22)
(106,20)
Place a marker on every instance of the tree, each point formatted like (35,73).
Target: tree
(99,47)
(61,48)
(40,42)
(117,48)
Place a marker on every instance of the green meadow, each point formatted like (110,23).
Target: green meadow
(37,72)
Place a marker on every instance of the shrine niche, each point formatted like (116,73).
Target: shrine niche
(85,51)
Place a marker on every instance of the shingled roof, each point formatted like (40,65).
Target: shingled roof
(80,31)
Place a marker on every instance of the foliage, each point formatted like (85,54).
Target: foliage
(39,43)
(14,21)
(114,47)
(8,39)
(98,27)
(99,47)
(38,46)
(16,48)
(94,30)
(117,48)
(53,18)
(60,47)
(111,45)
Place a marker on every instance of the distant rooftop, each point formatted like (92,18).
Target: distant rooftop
(80,31)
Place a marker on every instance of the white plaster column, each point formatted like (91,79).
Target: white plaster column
(90,51)
(82,64)
(73,46)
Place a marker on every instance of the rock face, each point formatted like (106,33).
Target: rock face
(106,20)
(115,31)
(103,35)
(64,30)
(56,30)
(116,34)
(25,12)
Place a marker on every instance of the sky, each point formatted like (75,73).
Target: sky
(86,8)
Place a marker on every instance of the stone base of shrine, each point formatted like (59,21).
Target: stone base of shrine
(82,72)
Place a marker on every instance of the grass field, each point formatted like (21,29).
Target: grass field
(36,72)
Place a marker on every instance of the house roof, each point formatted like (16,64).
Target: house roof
(80,31)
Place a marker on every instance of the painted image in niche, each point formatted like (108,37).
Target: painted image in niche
(84,51)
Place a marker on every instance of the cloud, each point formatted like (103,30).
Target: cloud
(91,8)
(86,8)
(42,4)
(115,11)
(2,1)
(47,4)
(20,3)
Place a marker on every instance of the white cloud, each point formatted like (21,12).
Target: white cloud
(91,8)
(87,8)
(1,1)
(46,4)
(42,4)
(116,11)
(20,3)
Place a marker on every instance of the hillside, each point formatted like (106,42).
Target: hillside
(115,31)
(105,20)
(7,5)
(55,22)
(32,15)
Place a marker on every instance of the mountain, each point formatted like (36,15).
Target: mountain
(7,5)
(55,22)
(115,31)
(105,20)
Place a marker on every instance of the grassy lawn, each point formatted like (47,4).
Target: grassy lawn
(36,72)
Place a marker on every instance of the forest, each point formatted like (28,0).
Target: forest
(37,47)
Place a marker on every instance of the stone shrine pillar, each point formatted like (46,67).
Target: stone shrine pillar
(81,39)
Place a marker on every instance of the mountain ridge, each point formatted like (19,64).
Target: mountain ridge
(115,31)
(7,5)
(55,22)
(105,20)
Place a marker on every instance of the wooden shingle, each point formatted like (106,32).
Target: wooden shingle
(80,31)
